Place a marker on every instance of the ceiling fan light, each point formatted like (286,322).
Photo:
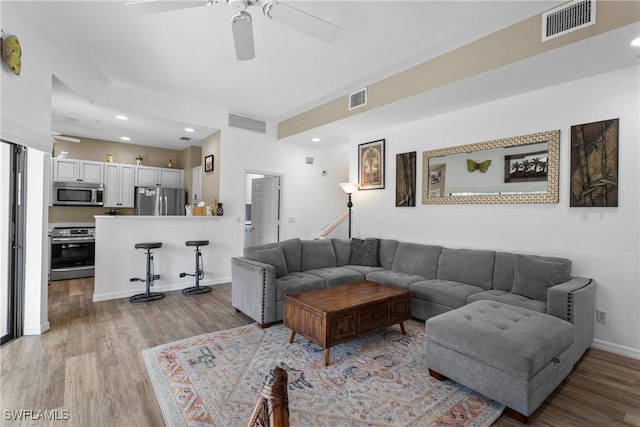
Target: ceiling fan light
(243,36)
(238,4)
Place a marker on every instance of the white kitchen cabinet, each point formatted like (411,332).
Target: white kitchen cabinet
(119,185)
(71,170)
(171,177)
(147,176)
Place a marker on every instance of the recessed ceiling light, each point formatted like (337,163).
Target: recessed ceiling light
(636,42)
(188,129)
(121,117)
(316,139)
(125,138)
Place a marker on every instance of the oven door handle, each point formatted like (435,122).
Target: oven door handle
(72,239)
(84,267)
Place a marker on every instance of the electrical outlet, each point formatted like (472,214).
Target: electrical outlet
(601,316)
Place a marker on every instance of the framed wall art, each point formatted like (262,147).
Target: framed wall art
(371,165)
(208,163)
(594,164)
(406,179)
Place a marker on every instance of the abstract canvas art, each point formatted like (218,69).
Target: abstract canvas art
(594,164)
(406,179)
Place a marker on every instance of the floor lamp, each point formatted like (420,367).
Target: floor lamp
(349,188)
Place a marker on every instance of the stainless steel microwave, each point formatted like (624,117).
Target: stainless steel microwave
(77,194)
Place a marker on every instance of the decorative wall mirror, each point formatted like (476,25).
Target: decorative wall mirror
(523,169)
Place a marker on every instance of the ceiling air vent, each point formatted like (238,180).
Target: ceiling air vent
(185,138)
(358,99)
(567,18)
(247,123)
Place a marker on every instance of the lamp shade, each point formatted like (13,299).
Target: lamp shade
(348,187)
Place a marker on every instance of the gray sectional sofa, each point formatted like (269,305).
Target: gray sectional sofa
(440,279)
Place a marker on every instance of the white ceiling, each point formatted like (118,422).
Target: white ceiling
(187,56)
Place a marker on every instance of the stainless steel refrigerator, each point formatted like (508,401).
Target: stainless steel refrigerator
(159,201)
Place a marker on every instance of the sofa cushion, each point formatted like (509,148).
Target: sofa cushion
(297,282)
(317,254)
(337,275)
(503,271)
(509,298)
(364,269)
(512,339)
(387,253)
(534,275)
(474,267)
(395,278)
(364,252)
(342,248)
(291,250)
(273,256)
(443,292)
(420,260)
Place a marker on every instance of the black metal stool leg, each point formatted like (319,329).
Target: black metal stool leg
(148,296)
(199,271)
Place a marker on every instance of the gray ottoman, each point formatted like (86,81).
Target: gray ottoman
(510,354)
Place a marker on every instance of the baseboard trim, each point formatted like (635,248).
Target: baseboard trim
(156,288)
(38,330)
(622,350)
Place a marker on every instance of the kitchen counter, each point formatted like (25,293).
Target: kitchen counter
(117,260)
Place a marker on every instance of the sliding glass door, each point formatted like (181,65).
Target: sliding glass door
(12,167)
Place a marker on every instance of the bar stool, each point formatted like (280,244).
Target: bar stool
(199,273)
(150,276)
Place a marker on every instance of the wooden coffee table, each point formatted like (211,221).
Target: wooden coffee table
(334,315)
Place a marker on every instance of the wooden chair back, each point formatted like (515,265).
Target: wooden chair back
(272,408)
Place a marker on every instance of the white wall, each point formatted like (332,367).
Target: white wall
(311,199)
(25,107)
(603,243)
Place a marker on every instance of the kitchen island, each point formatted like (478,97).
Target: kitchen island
(117,260)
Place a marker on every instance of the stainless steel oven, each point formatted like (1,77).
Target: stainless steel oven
(72,252)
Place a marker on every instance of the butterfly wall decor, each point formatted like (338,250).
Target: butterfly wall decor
(11,52)
(482,167)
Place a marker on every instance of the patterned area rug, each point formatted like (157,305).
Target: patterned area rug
(378,379)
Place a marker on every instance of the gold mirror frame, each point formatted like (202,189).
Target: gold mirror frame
(551,196)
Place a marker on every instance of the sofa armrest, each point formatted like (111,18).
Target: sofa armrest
(574,301)
(253,289)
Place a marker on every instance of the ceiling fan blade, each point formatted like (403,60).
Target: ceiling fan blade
(243,36)
(300,20)
(65,138)
(157,6)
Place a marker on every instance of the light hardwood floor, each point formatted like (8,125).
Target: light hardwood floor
(90,364)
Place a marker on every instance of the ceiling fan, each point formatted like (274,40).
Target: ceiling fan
(241,20)
(60,137)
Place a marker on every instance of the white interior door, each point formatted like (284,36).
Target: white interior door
(265,207)
(196,184)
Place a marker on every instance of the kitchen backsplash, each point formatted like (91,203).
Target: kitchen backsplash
(80,214)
